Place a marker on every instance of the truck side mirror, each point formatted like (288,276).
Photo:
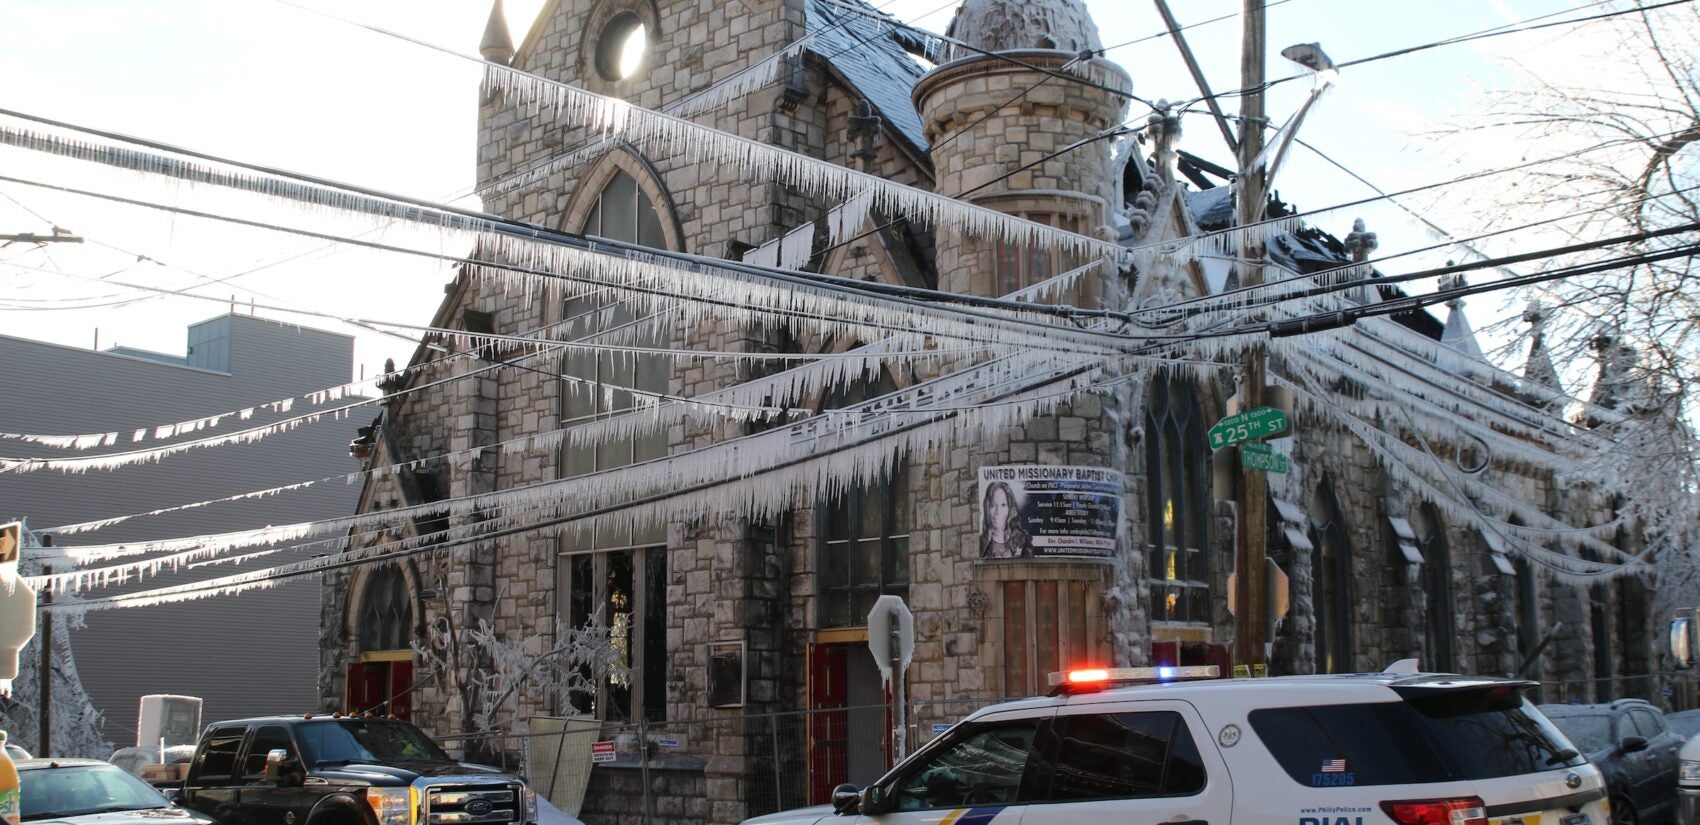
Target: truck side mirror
(282,769)
(1682,642)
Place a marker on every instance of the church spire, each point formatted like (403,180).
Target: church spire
(497,46)
(1538,368)
(1458,334)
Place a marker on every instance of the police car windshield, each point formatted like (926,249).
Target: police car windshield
(344,741)
(1434,736)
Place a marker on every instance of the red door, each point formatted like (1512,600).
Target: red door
(380,687)
(828,751)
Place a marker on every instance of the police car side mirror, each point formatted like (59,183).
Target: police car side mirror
(846,799)
(1631,744)
(874,800)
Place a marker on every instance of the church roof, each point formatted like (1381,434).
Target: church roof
(866,53)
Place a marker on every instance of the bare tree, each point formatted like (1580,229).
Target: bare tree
(1606,115)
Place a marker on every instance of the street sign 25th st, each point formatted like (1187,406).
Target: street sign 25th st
(1251,425)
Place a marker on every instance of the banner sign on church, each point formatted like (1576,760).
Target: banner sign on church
(1029,510)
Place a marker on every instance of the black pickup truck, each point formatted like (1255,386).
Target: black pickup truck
(344,770)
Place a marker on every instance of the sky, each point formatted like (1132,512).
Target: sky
(288,85)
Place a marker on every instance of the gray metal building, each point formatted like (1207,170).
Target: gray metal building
(245,655)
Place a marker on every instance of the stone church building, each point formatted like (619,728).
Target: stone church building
(716,620)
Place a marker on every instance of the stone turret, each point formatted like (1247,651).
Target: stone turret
(987,117)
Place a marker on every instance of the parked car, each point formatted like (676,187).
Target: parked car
(1136,745)
(1685,723)
(1634,747)
(15,753)
(91,792)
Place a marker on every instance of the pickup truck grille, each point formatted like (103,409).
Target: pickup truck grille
(472,804)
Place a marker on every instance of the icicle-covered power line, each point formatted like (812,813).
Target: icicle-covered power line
(673,136)
(1404,460)
(702,485)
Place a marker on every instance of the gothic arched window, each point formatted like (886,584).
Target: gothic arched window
(1177,468)
(864,533)
(1331,571)
(617,572)
(386,612)
(1437,589)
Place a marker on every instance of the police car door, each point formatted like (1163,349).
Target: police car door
(980,773)
(1147,762)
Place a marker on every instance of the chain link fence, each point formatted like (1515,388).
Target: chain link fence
(712,770)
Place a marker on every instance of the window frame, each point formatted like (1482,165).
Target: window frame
(643,639)
(1175,456)
(197,770)
(888,492)
(1050,751)
(1440,636)
(1016,266)
(248,751)
(373,632)
(956,737)
(1331,562)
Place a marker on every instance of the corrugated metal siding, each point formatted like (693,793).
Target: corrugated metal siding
(248,655)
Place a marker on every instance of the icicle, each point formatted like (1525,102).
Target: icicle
(795,247)
(845,220)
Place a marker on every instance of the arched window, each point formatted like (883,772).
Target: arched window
(1437,589)
(1177,477)
(864,532)
(1331,571)
(618,572)
(386,612)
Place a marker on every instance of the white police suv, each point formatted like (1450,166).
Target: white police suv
(1391,748)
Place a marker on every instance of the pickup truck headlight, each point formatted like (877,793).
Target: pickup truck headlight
(392,806)
(1690,772)
(531,804)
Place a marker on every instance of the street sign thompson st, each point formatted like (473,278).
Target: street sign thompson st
(1256,456)
(1250,425)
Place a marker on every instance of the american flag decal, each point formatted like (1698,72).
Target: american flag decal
(1333,766)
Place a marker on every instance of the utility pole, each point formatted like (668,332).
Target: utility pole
(1251,500)
(44,634)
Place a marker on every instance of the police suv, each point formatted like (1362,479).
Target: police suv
(1391,748)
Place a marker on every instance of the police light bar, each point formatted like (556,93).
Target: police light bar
(1093,678)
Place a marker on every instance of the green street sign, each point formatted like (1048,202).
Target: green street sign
(1251,425)
(1256,455)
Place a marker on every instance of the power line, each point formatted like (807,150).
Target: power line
(1496,31)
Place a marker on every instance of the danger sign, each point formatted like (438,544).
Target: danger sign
(602,751)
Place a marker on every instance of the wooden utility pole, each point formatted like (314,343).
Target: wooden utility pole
(1251,502)
(44,637)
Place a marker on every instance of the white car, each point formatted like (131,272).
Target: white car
(1688,783)
(1391,748)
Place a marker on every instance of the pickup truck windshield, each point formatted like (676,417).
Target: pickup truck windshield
(342,741)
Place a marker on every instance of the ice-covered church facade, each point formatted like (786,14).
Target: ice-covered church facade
(730,556)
